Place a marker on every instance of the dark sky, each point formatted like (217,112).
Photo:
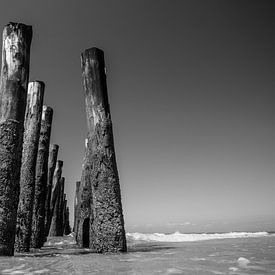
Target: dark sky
(191,89)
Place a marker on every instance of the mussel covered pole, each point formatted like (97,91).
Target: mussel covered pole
(76,201)
(55,223)
(107,233)
(51,168)
(67,229)
(29,155)
(60,209)
(38,223)
(13,98)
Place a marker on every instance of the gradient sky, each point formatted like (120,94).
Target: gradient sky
(191,90)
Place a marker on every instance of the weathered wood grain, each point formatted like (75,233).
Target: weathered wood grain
(107,233)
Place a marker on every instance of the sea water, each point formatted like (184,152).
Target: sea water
(227,253)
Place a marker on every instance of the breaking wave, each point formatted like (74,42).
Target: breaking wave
(180,237)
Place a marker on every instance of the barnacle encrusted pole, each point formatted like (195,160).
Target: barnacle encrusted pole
(107,233)
(56,180)
(55,190)
(64,213)
(76,201)
(67,229)
(27,175)
(84,202)
(60,209)
(51,168)
(13,94)
(38,223)
(55,224)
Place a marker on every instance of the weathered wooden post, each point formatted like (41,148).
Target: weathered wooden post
(13,93)
(64,213)
(60,209)
(107,233)
(85,202)
(67,229)
(51,168)
(56,180)
(55,191)
(41,179)
(76,205)
(55,228)
(27,174)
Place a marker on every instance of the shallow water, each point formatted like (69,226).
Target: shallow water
(217,256)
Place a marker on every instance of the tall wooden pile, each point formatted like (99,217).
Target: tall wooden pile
(51,168)
(105,225)
(13,94)
(38,233)
(29,156)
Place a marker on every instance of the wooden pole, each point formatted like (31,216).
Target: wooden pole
(56,180)
(64,214)
(53,226)
(29,155)
(13,93)
(107,233)
(41,179)
(55,190)
(54,229)
(60,209)
(76,201)
(84,200)
(67,229)
(51,168)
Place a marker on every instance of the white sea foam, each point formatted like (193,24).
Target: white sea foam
(234,269)
(173,271)
(180,237)
(198,259)
(41,271)
(10,270)
(18,270)
(243,262)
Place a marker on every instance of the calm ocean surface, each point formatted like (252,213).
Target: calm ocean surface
(230,253)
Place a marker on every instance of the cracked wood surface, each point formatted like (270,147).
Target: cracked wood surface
(100,175)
